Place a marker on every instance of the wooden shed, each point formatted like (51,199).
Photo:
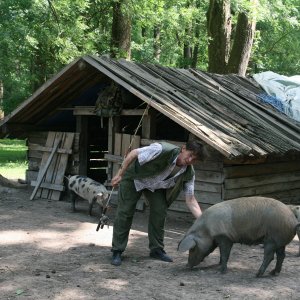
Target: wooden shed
(250,148)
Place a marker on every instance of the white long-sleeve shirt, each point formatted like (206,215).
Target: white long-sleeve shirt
(160,181)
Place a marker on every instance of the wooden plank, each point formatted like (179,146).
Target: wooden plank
(90,111)
(44,170)
(262,169)
(113,158)
(48,149)
(260,180)
(82,129)
(209,176)
(126,139)
(118,144)
(62,161)
(204,197)
(147,142)
(51,186)
(49,143)
(208,187)
(149,124)
(180,206)
(208,166)
(49,177)
(287,197)
(135,142)
(261,190)
(117,152)
(34,154)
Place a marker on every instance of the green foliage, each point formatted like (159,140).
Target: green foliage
(278,38)
(39,37)
(13,158)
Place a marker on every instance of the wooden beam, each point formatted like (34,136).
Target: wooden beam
(113,158)
(51,186)
(90,111)
(48,149)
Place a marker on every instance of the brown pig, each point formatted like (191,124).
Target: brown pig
(247,220)
(296,210)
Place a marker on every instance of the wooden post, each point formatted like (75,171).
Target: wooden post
(82,128)
(149,125)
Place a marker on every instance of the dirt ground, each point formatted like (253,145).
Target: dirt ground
(48,252)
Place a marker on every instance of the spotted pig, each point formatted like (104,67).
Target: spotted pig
(87,189)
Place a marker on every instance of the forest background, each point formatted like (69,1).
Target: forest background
(39,37)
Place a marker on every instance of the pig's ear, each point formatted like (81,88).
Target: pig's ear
(186,243)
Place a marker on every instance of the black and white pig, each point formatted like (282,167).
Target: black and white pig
(88,189)
(247,220)
(296,211)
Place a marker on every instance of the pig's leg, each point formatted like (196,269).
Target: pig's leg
(91,206)
(100,210)
(73,198)
(269,250)
(298,234)
(280,255)
(225,245)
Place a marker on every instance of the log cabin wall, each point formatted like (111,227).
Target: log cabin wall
(208,186)
(278,179)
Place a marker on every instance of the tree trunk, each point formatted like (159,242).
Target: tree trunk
(156,43)
(219,30)
(243,40)
(1,100)
(187,49)
(121,31)
(196,46)
(38,67)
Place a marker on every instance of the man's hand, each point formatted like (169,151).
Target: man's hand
(127,161)
(193,206)
(116,180)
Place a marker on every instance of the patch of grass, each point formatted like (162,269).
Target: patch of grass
(13,161)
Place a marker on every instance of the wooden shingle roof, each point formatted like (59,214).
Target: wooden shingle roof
(222,110)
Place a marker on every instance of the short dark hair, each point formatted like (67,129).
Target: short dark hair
(196,147)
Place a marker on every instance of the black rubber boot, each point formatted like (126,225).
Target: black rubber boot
(160,254)
(116,258)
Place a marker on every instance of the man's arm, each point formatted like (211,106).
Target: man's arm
(193,205)
(132,155)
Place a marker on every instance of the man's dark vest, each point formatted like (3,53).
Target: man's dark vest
(157,166)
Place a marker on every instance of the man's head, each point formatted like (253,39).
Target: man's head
(191,152)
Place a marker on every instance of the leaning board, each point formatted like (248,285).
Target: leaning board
(53,172)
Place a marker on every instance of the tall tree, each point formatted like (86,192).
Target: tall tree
(243,41)
(222,57)
(121,30)
(219,31)
(156,43)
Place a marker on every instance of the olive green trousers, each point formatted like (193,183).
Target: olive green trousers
(127,200)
